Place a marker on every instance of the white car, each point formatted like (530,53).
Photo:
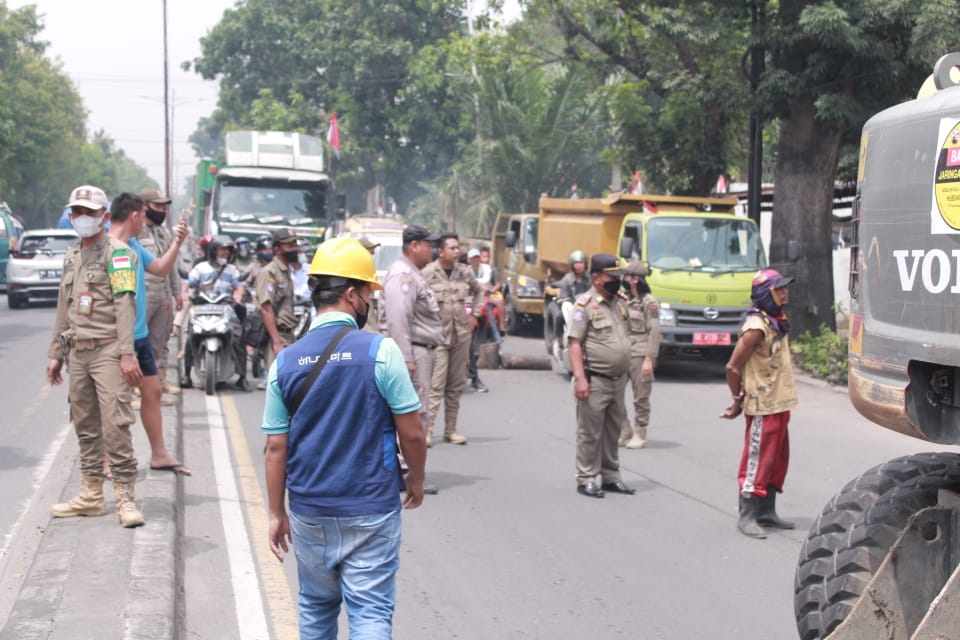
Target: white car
(35,268)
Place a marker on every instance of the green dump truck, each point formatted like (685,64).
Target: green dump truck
(702,259)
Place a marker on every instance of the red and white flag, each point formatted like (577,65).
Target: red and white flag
(333,134)
(721,184)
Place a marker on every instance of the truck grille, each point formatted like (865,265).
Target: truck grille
(697,317)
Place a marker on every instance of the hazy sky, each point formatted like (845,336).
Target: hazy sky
(119,71)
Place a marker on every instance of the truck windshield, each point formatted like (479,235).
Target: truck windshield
(704,244)
(244,200)
(530,228)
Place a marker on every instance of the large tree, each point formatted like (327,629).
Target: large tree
(349,56)
(680,100)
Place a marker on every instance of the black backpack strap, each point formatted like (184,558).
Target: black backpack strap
(317,368)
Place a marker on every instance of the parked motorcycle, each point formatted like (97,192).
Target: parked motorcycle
(213,328)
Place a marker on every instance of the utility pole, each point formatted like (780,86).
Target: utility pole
(757,67)
(166,108)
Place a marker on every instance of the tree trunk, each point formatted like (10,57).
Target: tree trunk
(803,210)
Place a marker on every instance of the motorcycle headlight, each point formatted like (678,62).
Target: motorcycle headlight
(668,316)
(528,287)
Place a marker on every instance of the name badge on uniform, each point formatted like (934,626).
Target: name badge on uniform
(85,304)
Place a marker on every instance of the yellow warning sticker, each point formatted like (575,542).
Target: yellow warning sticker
(946,182)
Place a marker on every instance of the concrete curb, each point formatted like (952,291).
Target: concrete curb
(151,607)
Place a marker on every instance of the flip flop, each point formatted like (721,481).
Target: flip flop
(177,469)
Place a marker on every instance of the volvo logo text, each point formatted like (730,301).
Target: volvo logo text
(710,313)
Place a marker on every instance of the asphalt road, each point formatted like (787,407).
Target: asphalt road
(508,549)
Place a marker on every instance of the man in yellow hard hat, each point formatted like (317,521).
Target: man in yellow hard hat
(337,402)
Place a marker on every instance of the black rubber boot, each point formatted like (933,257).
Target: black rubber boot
(747,524)
(767,513)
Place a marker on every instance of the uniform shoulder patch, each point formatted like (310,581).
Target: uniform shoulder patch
(584,299)
(122,272)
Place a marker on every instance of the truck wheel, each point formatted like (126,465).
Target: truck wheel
(510,320)
(550,312)
(15,302)
(855,531)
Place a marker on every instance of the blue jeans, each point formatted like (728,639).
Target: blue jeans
(353,559)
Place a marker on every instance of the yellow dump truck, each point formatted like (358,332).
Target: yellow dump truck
(514,254)
(702,258)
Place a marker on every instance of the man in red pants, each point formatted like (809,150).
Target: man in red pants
(760,377)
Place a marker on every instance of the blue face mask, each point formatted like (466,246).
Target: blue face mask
(266,256)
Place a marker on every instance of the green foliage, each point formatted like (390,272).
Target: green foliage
(823,355)
(44,152)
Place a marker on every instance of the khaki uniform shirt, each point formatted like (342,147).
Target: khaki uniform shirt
(768,375)
(601,327)
(156,239)
(275,285)
(409,312)
(451,292)
(97,297)
(644,326)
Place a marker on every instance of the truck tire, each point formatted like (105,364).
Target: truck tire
(855,531)
(550,313)
(510,317)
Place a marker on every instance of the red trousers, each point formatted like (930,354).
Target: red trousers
(766,454)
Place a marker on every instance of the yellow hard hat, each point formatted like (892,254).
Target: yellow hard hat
(344,258)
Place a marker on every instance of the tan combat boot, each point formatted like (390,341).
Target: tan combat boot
(130,516)
(455,438)
(638,440)
(88,503)
(165,385)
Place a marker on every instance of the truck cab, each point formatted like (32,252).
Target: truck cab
(272,180)
(701,262)
(515,255)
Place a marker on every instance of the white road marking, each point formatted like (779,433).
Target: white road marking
(243,571)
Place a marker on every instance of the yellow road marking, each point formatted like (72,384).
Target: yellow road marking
(282,608)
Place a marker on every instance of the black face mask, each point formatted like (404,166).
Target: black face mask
(612,286)
(362,317)
(156,217)
(292,257)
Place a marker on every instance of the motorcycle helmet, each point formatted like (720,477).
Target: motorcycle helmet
(216,243)
(578,256)
(205,242)
(243,248)
(264,242)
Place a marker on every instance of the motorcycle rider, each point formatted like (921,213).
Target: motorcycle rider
(217,275)
(574,283)
(263,252)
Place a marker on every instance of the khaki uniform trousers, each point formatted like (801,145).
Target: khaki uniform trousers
(449,379)
(641,392)
(424,360)
(599,418)
(100,406)
(160,324)
(286,338)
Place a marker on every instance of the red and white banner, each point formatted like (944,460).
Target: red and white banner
(721,184)
(333,134)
